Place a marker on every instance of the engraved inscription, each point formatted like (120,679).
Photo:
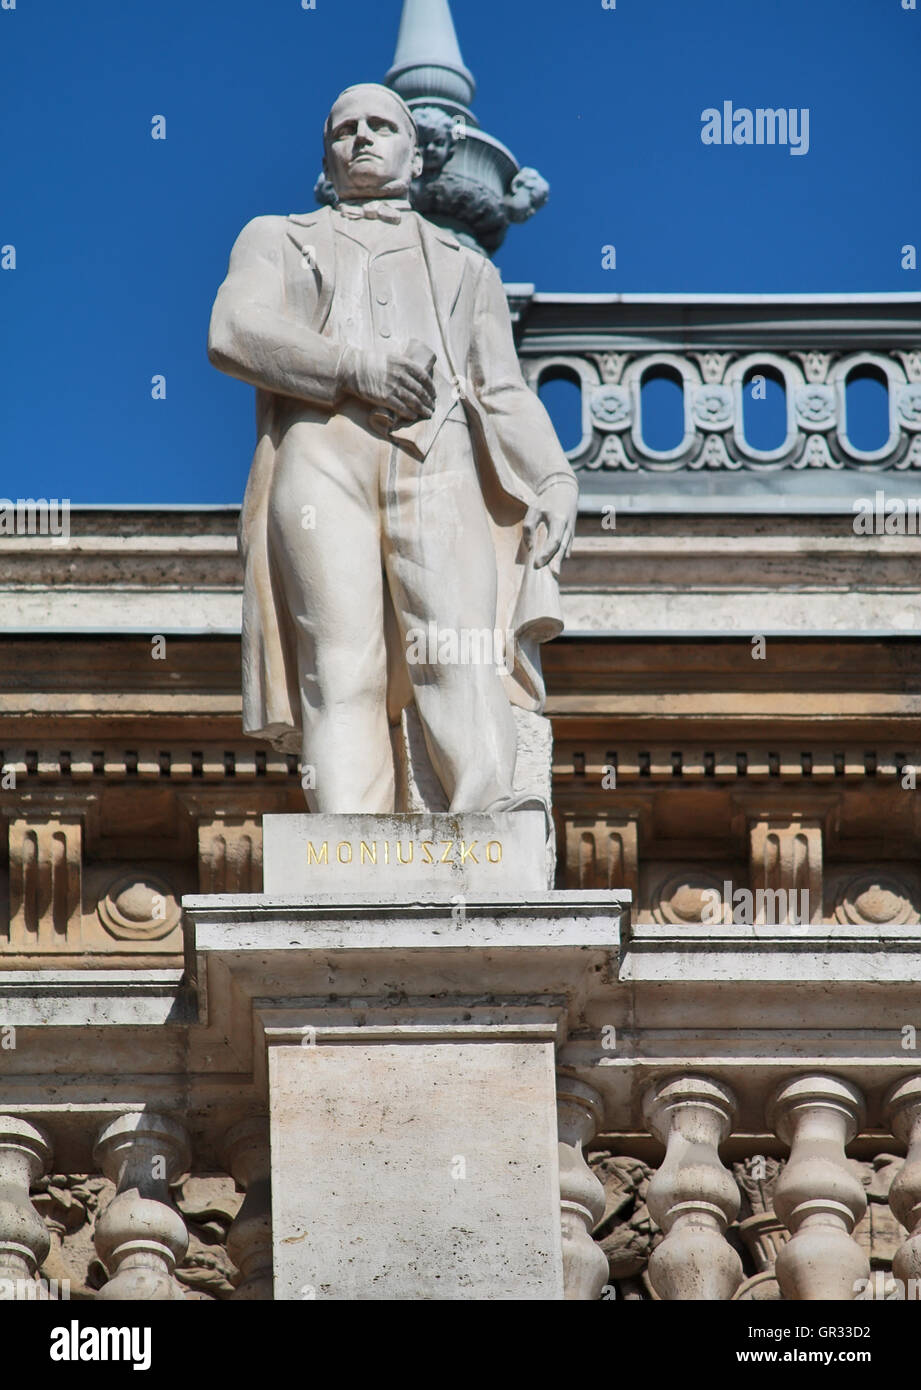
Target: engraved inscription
(454,852)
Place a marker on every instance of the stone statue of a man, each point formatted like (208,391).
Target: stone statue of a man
(406,482)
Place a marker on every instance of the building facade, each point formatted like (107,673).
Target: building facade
(735,709)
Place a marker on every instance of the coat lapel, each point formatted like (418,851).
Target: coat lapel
(312,234)
(447,265)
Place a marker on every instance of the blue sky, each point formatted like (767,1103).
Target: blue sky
(121,241)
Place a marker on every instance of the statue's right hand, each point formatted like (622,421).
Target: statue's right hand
(386,379)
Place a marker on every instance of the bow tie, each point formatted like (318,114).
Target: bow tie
(385,211)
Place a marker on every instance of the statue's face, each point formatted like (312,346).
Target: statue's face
(370,148)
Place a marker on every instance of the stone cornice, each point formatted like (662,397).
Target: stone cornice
(661,574)
(608,321)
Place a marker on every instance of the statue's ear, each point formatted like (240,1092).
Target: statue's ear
(417,163)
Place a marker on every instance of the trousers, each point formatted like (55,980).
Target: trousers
(371,545)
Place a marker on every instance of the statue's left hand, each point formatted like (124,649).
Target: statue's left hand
(556,509)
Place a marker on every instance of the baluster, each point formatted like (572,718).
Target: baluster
(140,1236)
(585,1266)
(903,1109)
(693,1197)
(249,1240)
(579,1111)
(818,1197)
(25,1153)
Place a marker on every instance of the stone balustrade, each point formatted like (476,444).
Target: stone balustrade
(814,387)
(806,1230)
(140,1235)
(716,350)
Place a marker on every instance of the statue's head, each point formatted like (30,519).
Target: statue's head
(371,144)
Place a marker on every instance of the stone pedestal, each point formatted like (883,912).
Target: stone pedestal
(408,1169)
(407,1044)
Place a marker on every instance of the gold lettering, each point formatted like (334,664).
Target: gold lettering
(427,851)
(468,853)
(491,858)
(386,851)
(445,858)
(344,844)
(400,859)
(313,857)
(368,853)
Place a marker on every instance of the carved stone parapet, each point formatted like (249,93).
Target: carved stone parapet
(693,1197)
(249,1240)
(25,1153)
(818,1196)
(140,1236)
(585,1265)
(714,386)
(903,1110)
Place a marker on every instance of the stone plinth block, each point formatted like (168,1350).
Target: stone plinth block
(404,857)
(415,1170)
(406,1050)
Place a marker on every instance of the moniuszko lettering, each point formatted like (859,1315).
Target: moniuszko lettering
(456,853)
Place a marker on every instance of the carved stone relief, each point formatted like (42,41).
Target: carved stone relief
(71,1203)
